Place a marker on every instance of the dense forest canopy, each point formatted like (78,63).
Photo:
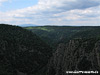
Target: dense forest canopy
(21,50)
(27,50)
(54,35)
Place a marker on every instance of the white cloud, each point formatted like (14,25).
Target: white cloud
(1,1)
(55,12)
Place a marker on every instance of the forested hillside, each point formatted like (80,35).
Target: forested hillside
(75,48)
(21,51)
(27,51)
(54,35)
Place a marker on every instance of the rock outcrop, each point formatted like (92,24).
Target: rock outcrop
(78,54)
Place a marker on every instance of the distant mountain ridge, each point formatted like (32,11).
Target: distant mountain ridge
(56,34)
(28,25)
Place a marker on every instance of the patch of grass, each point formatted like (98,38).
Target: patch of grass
(40,28)
(29,28)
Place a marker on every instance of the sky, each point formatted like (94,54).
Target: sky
(50,12)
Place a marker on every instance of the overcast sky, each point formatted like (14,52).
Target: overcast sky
(50,12)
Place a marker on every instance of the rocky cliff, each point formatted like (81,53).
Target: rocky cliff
(78,54)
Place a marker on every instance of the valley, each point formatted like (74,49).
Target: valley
(48,50)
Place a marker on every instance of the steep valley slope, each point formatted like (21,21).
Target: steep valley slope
(76,48)
(21,51)
(29,52)
(53,35)
(77,55)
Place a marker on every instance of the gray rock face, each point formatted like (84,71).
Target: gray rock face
(78,54)
(20,73)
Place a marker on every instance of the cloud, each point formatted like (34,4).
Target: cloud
(65,5)
(1,1)
(55,12)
